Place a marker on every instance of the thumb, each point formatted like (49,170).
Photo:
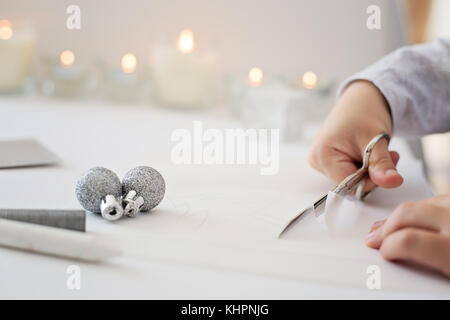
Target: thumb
(382,169)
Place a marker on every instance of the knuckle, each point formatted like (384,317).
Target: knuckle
(314,155)
(399,246)
(408,239)
(402,210)
(312,158)
(383,161)
(446,224)
(386,251)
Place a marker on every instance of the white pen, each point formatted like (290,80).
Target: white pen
(55,241)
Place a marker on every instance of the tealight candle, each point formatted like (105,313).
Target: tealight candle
(125,84)
(294,105)
(267,105)
(182,76)
(16,51)
(67,78)
(128,63)
(255,77)
(309,80)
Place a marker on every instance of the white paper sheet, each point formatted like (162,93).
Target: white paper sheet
(349,217)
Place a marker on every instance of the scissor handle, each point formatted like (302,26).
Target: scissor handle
(369,147)
(356,178)
(350,182)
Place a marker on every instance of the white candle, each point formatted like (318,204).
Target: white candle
(16,51)
(309,80)
(183,76)
(55,241)
(66,69)
(68,77)
(255,77)
(125,84)
(128,63)
(126,76)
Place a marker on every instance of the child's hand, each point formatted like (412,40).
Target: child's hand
(360,114)
(416,231)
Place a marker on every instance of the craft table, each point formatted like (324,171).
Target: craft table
(209,239)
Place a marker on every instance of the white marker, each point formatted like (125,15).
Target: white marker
(55,241)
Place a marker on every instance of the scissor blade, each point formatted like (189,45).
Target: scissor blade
(292,222)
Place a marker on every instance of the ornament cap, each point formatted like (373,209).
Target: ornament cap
(132,204)
(111,208)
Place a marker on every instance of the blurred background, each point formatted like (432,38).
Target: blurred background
(284,36)
(261,61)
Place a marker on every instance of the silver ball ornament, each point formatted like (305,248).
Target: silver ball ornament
(144,187)
(99,190)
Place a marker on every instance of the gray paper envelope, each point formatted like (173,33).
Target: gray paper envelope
(67,219)
(25,153)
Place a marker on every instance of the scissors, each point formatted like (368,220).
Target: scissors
(355,180)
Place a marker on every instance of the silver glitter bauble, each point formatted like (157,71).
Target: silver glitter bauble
(147,183)
(99,191)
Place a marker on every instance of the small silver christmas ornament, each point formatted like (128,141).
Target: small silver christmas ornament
(143,189)
(99,191)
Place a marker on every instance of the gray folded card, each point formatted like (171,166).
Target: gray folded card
(25,153)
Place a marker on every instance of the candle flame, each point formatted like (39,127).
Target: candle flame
(186,41)
(128,63)
(309,80)
(6,30)
(255,76)
(67,58)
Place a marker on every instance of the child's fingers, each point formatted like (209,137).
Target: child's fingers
(424,215)
(421,246)
(377,224)
(370,185)
(442,200)
(373,238)
(332,162)
(338,165)
(415,214)
(382,169)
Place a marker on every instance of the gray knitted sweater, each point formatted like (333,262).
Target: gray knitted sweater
(415,81)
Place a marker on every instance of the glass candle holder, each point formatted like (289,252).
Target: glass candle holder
(66,77)
(17,46)
(276,103)
(183,77)
(127,84)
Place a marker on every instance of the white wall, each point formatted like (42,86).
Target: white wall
(282,36)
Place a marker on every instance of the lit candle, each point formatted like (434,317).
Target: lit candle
(309,80)
(183,76)
(16,51)
(125,84)
(186,41)
(6,30)
(255,77)
(68,79)
(128,63)
(67,58)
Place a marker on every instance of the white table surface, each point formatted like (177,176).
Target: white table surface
(193,246)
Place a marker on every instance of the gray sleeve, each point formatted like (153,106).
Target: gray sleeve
(415,81)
